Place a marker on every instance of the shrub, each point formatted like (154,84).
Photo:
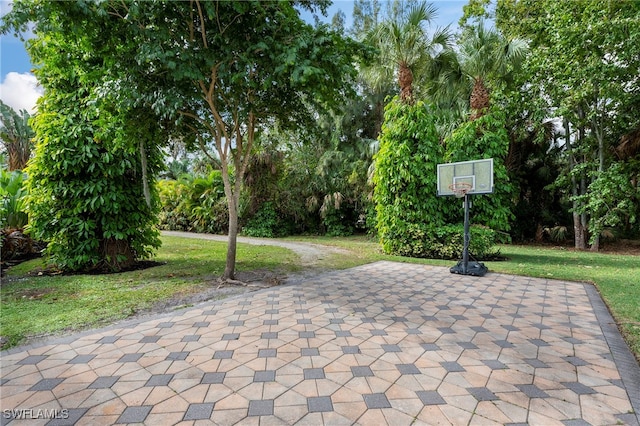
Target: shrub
(486,137)
(339,222)
(265,223)
(441,242)
(12,200)
(194,204)
(405,175)
(86,194)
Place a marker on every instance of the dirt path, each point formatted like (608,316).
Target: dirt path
(310,254)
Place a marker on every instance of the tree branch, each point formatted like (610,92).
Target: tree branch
(220,29)
(203,29)
(192,35)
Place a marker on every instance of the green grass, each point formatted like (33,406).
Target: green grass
(617,277)
(46,305)
(37,306)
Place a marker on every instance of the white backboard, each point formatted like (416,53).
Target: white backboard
(476,173)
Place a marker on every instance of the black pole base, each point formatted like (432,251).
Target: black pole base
(477,269)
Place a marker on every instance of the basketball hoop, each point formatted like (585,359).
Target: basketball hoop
(460,189)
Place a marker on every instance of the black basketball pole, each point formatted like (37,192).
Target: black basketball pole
(464,267)
(467,236)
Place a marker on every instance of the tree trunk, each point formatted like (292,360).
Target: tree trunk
(116,255)
(597,130)
(18,155)
(405,80)
(584,219)
(582,189)
(232,206)
(145,182)
(379,117)
(479,100)
(241,156)
(578,229)
(230,265)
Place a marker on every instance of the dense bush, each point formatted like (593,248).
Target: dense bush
(485,137)
(405,175)
(440,242)
(339,222)
(86,190)
(194,204)
(266,222)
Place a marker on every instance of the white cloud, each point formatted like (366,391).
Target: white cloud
(20,91)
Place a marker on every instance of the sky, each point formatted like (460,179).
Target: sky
(19,88)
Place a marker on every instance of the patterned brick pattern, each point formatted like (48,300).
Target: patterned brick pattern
(385,343)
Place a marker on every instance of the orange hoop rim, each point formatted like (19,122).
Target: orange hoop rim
(460,189)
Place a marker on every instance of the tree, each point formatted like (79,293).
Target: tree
(405,176)
(231,68)
(405,47)
(16,135)
(486,58)
(91,180)
(222,69)
(365,15)
(484,62)
(475,10)
(584,64)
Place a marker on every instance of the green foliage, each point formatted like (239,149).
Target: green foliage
(486,137)
(194,204)
(266,223)
(222,70)
(405,175)
(86,196)
(582,67)
(613,198)
(12,200)
(16,136)
(440,242)
(95,157)
(475,10)
(338,222)
(407,47)
(316,176)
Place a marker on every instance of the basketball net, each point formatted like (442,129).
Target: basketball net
(460,189)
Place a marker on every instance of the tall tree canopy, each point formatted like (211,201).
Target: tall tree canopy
(89,180)
(406,47)
(585,65)
(221,70)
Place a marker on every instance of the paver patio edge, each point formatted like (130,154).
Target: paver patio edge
(622,356)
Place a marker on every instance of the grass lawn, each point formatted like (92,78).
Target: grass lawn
(34,306)
(37,306)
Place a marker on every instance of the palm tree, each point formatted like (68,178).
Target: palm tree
(16,135)
(484,56)
(406,48)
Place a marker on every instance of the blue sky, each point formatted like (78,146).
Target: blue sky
(19,89)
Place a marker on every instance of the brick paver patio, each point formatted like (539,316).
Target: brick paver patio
(385,343)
